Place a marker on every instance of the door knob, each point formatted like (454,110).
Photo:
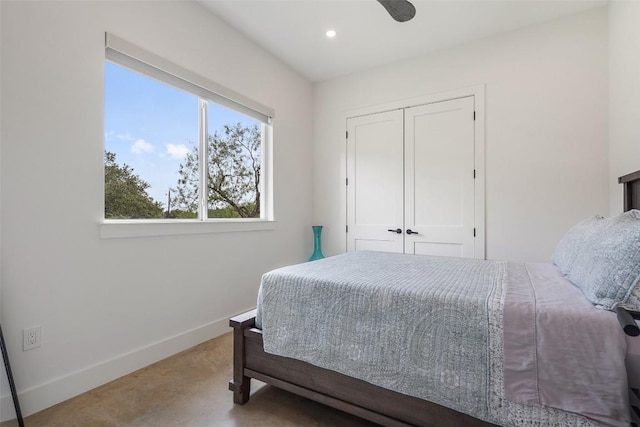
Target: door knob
(409,231)
(397,231)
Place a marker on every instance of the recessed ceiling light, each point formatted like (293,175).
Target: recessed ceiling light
(331,33)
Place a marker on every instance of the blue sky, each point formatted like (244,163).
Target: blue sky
(151,126)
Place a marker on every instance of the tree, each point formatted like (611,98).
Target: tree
(125,193)
(233,177)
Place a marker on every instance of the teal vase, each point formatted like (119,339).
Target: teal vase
(317,243)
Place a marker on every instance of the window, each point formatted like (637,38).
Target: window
(177,146)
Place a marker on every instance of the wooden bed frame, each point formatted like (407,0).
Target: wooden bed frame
(342,392)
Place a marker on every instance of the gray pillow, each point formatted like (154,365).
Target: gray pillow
(573,241)
(607,267)
(633,302)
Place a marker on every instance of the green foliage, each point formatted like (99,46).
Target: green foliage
(180,214)
(231,212)
(233,180)
(125,193)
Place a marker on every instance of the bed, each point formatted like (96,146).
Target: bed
(492,376)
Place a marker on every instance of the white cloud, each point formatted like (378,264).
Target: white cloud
(177,151)
(125,137)
(113,135)
(141,146)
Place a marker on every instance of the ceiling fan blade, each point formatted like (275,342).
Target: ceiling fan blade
(400,10)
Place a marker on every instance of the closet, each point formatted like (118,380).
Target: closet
(412,178)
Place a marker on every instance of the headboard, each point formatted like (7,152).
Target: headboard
(631,183)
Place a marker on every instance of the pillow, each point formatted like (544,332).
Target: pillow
(572,242)
(633,302)
(607,266)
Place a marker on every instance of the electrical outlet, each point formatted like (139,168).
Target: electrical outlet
(31,338)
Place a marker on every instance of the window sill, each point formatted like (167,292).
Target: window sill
(115,229)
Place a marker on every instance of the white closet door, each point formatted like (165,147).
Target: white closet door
(439,178)
(375,199)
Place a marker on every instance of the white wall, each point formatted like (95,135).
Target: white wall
(110,306)
(624,95)
(546,129)
(4,382)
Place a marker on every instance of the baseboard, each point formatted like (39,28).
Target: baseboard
(48,394)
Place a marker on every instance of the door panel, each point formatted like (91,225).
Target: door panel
(438,249)
(376,245)
(375,194)
(439,183)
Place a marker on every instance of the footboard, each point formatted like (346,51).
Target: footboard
(339,391)
(240,385)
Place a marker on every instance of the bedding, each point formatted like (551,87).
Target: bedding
(601,256)
(560,351)
(607,267)
(633,302)
(438,334)
(574,240)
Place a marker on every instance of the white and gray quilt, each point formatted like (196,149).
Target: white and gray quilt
(429,327)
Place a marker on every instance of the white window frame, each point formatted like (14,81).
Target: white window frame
(130,56)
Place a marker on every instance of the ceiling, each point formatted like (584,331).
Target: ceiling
(367,37)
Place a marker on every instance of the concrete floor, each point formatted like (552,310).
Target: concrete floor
(188,389)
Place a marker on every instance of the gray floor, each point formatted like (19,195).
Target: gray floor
(188,389)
